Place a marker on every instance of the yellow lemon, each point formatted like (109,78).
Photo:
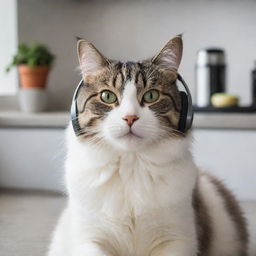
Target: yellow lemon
(224,100)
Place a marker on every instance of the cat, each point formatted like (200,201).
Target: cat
(133,187)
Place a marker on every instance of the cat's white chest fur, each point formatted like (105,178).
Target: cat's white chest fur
(131,203)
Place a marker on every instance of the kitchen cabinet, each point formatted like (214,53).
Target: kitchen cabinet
(32,154)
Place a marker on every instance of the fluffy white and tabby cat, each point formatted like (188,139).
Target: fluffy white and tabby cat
(133,187)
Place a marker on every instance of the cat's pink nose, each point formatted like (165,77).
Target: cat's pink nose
(130,119)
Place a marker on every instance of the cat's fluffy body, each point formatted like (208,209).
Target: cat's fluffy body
(133,196)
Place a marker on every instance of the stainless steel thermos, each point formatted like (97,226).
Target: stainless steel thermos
(210,75)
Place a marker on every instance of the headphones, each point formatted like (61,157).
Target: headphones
(186,114)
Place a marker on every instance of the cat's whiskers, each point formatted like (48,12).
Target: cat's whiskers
(87,131)
(96,142)
(174,131)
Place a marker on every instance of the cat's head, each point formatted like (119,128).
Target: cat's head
(129,105)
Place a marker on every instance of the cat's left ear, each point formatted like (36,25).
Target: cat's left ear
(90,59)
(169,57)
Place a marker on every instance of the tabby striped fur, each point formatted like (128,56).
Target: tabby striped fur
(114,77)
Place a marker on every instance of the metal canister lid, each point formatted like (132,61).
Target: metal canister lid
(210,56)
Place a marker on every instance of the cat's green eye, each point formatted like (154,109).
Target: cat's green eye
(108,97)
(151,96)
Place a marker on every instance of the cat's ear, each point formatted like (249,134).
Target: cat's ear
(90,59)
(170,56)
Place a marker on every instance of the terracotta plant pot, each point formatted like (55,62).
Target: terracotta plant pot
(33,77)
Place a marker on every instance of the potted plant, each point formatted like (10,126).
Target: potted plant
(34,62)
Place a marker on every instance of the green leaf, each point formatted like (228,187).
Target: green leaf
(32,55)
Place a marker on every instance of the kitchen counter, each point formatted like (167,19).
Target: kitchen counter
(240,121)
(245,121)
(37,120)
(223,144)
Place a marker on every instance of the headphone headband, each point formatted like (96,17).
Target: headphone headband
(185,120)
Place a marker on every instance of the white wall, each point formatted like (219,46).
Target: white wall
(137,29)
(8,44)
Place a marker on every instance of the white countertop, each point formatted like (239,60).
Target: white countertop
(40,120)
(60,120)
(246,121)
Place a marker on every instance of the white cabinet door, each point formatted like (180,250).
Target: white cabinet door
(231,156)
(32,158)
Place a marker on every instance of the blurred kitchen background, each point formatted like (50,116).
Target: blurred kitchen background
(32,145)
(132,30)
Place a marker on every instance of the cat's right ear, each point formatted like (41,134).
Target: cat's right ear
(90,59)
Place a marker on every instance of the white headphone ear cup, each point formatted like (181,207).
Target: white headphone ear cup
(183,112)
